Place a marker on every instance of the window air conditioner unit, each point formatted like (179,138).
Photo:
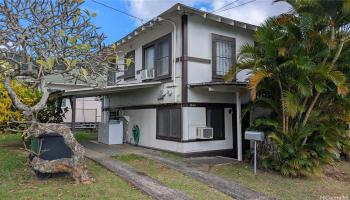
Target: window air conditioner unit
(147,74)
(204,133)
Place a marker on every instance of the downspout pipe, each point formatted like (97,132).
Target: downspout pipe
(173,52)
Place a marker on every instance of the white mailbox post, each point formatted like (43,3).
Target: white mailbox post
(254,136)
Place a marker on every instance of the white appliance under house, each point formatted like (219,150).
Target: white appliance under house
(111,133)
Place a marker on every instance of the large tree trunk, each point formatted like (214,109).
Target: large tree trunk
(75,165)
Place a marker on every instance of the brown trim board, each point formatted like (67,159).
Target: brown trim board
(194,59)
(154,106)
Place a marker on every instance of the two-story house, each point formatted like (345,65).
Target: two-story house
(174,90)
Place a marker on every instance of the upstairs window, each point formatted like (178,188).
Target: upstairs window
(130,70)
(149,56)
(163,58)
(157,56)
(224,54)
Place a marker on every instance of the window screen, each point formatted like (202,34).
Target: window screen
(215,120)
(157,56)
(224,54)
(149,57)
(164,58)
(169,123)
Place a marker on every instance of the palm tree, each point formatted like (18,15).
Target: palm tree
(298,69)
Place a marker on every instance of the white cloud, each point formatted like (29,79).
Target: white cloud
(147,9)
(254,13)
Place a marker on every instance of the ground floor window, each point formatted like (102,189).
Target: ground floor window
(215,120)
(169,123)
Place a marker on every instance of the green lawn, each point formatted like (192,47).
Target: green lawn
(17,181)
(171,156)
(287,188)
(10,139)
(172,178)
(85,135)
(14,139)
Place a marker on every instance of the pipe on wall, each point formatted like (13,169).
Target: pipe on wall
(174,53)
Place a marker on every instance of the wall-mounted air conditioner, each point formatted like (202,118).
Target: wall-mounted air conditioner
(204,133)
(147,74)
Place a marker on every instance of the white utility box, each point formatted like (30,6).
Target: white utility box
(111,133)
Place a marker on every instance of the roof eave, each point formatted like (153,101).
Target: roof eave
(185,9)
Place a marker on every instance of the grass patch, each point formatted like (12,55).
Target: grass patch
(9,139)
(17,181)
(172,178)
(171,156)
(281,187)
(83,135)
(15,139)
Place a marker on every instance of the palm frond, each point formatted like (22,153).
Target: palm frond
(254,81)
(290,104)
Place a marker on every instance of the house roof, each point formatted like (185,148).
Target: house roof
(183,9)
(92,92)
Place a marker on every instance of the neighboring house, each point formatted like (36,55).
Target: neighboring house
(175,86)
(87,110)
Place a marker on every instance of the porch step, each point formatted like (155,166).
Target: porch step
(138,179)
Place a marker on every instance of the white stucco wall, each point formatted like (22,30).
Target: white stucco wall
(200,46)
(145,96)
(198,95)
(146,120)
(192,118)
(153,33)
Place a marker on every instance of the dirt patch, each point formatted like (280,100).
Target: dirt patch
(339,171)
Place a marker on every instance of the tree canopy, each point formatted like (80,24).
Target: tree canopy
(39,38)
(42,38)
(299,70)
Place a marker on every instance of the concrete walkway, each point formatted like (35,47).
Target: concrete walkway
(188,167)
(141,181)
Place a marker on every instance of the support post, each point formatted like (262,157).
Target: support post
(239,126)
(254,156)
(73,102)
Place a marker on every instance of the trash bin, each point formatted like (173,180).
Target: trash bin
(49,146)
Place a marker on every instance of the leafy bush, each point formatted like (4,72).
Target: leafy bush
(51,113)
(8,113)
(10,117)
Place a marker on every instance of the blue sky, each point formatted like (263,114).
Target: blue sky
(115,25)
